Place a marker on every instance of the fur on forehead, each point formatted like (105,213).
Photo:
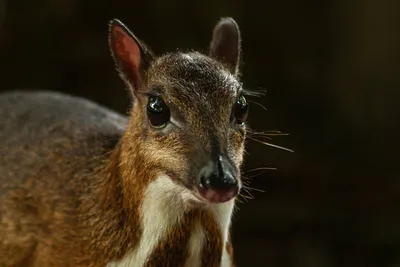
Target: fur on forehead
(193,73)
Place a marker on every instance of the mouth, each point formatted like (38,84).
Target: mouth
(219,195)
(202,192)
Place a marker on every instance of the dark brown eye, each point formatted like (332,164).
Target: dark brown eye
(241,110)
(157,112)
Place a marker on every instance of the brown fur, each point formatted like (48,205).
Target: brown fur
(212,251)
(229,248)
(73,174)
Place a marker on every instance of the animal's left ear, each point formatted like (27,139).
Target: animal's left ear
(226,44)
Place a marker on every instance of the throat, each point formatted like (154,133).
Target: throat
(177,234)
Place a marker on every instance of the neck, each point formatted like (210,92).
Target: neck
(150,222)
(173,233)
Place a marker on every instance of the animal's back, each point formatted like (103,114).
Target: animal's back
(44,114)
(49,143)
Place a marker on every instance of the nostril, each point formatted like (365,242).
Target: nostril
(224,182)
(204,182)
(204,176)
(217,176)
(218,183)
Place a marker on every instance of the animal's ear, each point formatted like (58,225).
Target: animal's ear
(132,58)
(226,44)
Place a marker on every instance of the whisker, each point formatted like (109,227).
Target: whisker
(271,145)
(250,175)
(239,200)
(243,198)
(246,197)
(267,133)
(258,104)
(245,182)
(261,169)
(263,136)
(254,189)
(257,93)
(250,196)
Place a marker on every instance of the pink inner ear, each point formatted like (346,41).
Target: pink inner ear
(127,52)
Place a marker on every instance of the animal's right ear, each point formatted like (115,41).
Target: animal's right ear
(226,44)
(132,58)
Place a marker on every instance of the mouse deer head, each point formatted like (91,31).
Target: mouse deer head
(188,114)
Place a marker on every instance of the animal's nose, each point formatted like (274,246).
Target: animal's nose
(217,181)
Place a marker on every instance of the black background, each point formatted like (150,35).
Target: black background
(331,71)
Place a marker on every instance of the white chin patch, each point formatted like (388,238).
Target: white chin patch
(173,190)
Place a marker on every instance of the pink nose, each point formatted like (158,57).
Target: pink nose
(218,195)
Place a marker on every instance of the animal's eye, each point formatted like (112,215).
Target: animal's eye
(157,112)
(241,110)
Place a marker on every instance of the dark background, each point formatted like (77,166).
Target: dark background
(331,70)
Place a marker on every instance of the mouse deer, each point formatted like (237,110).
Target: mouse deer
(81,185)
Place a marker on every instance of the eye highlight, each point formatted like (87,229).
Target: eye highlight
(241,110)
(158,112)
